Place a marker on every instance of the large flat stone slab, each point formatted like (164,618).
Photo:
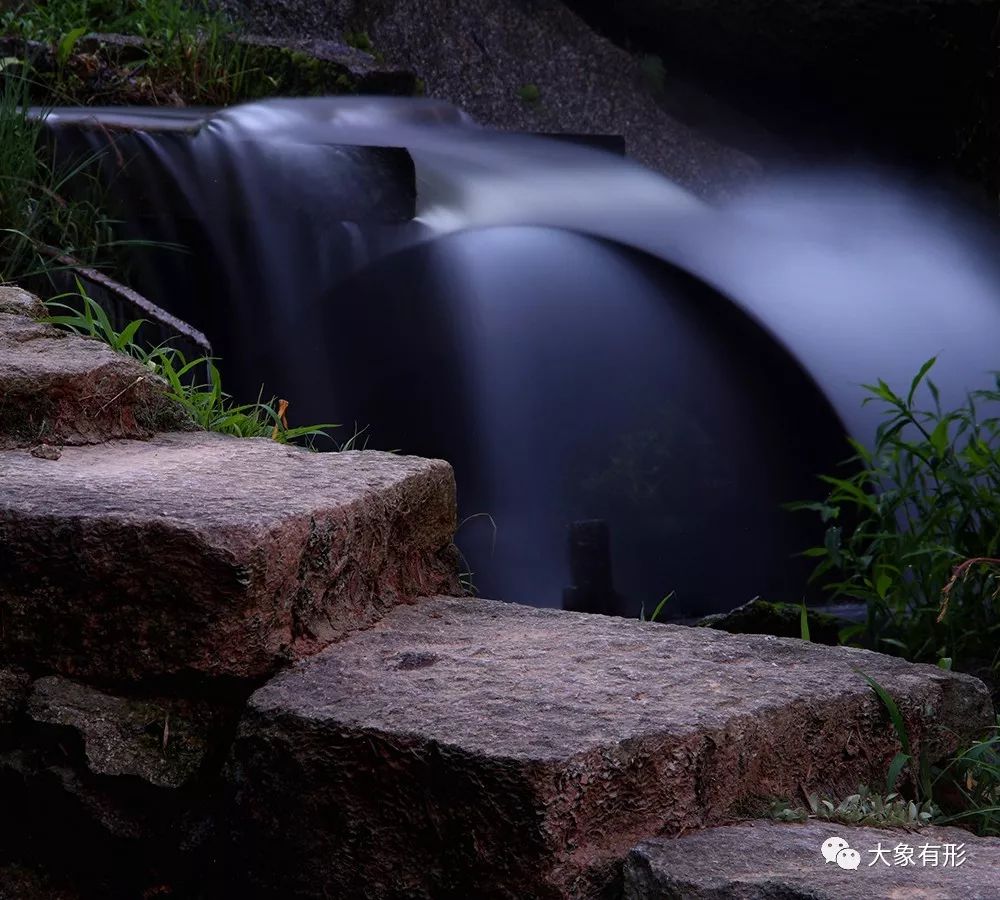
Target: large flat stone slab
(59,388)
(205,554)
(468,748)
(764,860)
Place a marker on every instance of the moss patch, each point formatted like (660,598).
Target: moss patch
(779,619)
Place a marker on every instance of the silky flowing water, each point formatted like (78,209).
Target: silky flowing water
(580,337)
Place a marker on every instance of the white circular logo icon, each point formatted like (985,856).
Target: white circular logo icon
(848,858)
(831,847)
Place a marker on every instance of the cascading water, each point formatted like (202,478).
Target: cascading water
(579,337)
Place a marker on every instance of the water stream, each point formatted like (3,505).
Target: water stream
(580,337)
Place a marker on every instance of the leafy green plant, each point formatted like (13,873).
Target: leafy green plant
(904,757)
(191,52)
(90,320)
(66,44)
(51,20)
(201,396)
(212,409)
(865,807)
(971,779)
(974,775)
(922,500)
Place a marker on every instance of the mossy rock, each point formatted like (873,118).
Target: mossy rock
(311,68)
(102,70)
(778,619)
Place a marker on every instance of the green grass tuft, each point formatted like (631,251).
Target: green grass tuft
(194,384)
(190,51)
(41,215)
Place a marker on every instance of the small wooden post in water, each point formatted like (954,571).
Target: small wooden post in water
(593,589)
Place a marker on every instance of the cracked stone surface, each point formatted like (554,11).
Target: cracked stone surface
(197,553)
(460,745)
(60,388)
(763,860)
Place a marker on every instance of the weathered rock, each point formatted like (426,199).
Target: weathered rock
(13,693)
(764,860)
(122,48)
(205,554)
(465,747)
(37,53)
(109,836)
(60,388)
(50,452)
(317,67)
(106,64)
(780,619)
(517,66)
(45,790)
(163,742)
(19,302)
(21,883)
(303,66)
(126,788)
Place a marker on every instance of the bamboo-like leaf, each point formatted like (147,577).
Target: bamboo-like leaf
(895,770)
(127,334)
(65,47)
(898,723)
(939,438)
(924,369)
(848,488)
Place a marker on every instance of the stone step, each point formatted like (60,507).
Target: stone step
(59,388)
(763,860)
(466,748)
(197,553)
